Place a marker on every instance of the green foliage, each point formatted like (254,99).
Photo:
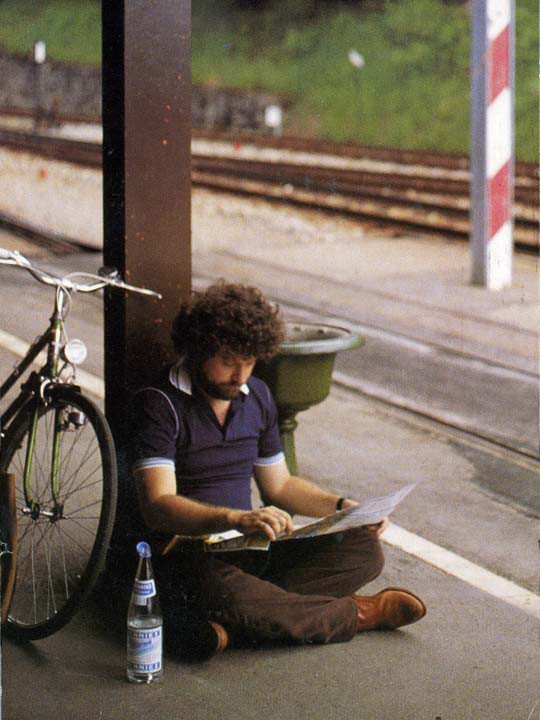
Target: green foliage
(526,85)
(70,28)
(414,90)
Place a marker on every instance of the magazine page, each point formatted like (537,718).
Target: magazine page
(369,512)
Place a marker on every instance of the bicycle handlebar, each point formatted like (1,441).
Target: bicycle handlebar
(67,283)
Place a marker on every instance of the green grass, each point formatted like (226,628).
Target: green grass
(414,90)
(70,28)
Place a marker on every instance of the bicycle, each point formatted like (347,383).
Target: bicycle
(57,451)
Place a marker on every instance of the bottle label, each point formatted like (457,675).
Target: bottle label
(143,590)
(144,649)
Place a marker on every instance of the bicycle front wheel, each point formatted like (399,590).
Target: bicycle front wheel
(65,509)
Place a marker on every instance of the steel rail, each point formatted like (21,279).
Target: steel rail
(430,191)
(387,175)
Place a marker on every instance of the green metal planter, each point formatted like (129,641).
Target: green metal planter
(301,373)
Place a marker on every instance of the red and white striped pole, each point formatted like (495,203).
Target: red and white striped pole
(492,142)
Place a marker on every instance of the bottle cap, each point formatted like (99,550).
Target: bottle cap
(143,548)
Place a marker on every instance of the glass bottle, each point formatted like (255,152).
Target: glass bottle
(144,624)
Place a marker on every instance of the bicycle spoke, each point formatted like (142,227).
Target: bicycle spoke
(74,541)
(74,475)
(37,483)
(39,486)
(34,594)
(50,587)
(33,545)
(33,540)
(94,500)
(85,482)
(76,514)
(71,475)
(65,567)
(77,437)
(24,533)
(34,577)
(47,542)
(84,529)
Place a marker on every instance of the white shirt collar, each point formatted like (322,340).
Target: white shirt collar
(180,379)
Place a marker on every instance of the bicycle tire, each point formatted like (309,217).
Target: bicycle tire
(60,559)
(8,541)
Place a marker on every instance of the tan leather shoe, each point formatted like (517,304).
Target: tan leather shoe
(222,637)
(388,609)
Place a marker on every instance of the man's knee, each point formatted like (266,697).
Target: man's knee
(377,559)
(367,549)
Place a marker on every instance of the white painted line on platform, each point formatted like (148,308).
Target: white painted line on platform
(459,567)
(86,380)
(398,537)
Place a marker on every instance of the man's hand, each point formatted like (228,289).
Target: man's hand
(378,528)
(347,503)
(270,520)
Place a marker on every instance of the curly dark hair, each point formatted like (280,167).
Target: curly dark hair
(227,317)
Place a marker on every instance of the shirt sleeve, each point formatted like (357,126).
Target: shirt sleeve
(270,449)
(155,430)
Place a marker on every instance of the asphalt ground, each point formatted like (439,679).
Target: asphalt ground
(475,655)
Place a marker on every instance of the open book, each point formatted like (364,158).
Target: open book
(369,512)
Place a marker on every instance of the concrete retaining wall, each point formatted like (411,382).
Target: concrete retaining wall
(62,89)
(56,87)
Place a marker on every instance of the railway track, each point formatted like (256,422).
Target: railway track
(425,158)
(454,161)
(422,190)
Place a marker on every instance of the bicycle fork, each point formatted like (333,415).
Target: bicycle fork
(33,506)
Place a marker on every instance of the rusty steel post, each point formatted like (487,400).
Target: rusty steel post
(146,184)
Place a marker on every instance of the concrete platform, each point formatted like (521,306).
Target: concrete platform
(476,655)
(471,658)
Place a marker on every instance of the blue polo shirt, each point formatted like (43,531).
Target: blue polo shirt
(175,426)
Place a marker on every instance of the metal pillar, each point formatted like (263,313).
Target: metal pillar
(492,142)
(146,184)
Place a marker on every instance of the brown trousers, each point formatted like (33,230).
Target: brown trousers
(299,591)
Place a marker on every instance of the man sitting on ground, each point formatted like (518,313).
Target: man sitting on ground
(202,432)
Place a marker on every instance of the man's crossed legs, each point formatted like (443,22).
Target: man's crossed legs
(299,591)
